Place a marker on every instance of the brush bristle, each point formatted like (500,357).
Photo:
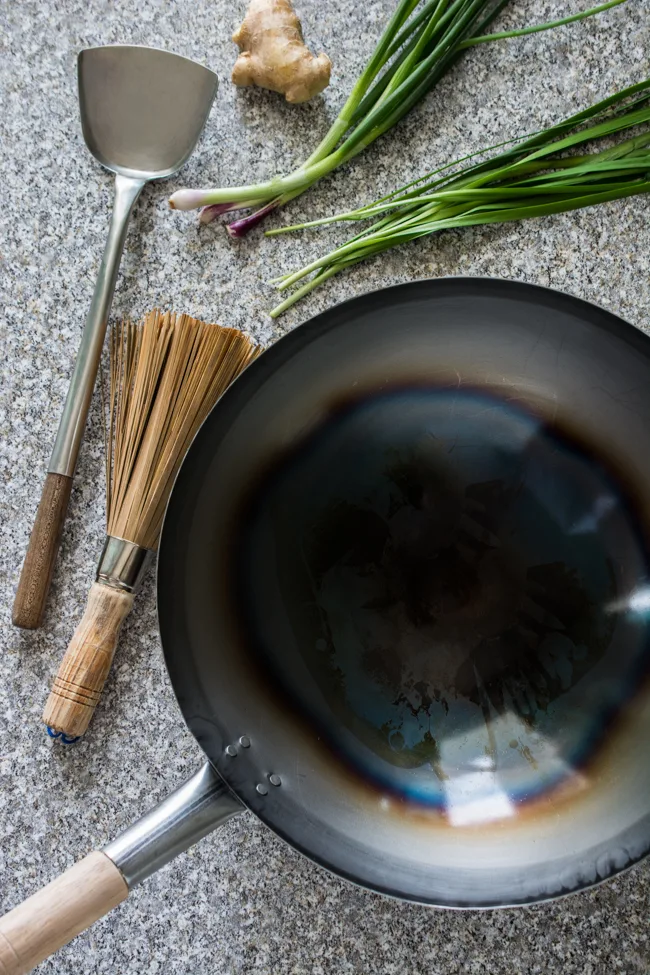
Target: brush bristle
(167,373)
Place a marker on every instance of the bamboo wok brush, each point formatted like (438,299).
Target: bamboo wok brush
(165,376)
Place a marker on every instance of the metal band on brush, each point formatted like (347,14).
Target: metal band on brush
(123,564)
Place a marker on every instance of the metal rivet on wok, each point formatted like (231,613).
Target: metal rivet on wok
(262,789)
(275,779)
(231,750)
(245,741)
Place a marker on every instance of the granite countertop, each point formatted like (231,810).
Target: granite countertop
(241,901)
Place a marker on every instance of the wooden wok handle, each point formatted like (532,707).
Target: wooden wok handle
(78,684)
(36,575)
(56,914)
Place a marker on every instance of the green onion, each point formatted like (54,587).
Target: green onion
(536,177)
(409,60)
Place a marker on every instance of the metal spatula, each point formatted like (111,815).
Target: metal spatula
(142,111)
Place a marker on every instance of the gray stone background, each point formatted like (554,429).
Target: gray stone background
(241,901)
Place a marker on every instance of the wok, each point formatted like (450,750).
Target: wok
(403,593)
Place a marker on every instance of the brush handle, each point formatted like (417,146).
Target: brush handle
(57,913)
(78,684)
(36,575)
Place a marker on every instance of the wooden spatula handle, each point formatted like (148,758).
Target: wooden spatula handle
(78,685)
(58,912)
(36,575)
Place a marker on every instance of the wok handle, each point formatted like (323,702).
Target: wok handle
(54,915)
(78,684)
(50,918)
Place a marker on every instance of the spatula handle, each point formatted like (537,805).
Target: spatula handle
(78,684)
(57,913)
(41,556)
(36,575)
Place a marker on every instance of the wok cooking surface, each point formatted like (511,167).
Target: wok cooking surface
(407,560)
(457,601)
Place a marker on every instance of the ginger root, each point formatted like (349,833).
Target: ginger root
(274,54)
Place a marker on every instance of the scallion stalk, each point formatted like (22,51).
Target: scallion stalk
(410,58)
(536,177)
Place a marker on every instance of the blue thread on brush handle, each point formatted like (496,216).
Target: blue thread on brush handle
(63,738)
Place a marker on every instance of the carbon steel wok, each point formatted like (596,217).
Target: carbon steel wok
(403,593)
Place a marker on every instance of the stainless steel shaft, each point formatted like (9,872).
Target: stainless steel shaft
(77,403)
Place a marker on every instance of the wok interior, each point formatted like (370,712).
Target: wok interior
(419,584)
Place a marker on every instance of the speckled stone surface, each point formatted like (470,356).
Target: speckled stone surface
(241,901)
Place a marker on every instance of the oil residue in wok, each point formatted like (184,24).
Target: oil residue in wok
(451,591)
